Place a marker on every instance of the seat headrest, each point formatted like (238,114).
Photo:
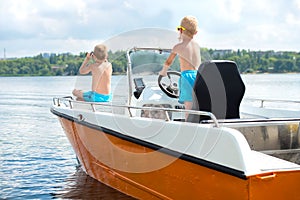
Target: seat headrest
(219,89)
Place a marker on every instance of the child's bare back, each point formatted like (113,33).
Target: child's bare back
(101,71)
(101,77)
(189,54)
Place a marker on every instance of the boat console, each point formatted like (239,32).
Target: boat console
(139,87)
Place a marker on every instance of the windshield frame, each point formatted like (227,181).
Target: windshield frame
(129,64)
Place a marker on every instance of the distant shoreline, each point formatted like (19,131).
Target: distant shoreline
(124,74)
(252,62)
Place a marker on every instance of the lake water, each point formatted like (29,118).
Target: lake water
(36,159)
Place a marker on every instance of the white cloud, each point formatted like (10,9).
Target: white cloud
(128,5)
(297,3)
(54,25)
(292,19)
(230,9)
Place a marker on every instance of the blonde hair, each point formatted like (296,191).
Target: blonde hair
(190,23)
(100,51)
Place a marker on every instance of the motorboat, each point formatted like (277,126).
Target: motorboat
(151,147)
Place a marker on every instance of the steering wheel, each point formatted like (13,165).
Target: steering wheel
(171,90)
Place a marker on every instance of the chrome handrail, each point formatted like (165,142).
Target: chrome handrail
(262,101)
(58,100)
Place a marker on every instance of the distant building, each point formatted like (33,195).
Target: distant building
(56,67)
(222,52)
(67,54)
(4,54)
(46,55)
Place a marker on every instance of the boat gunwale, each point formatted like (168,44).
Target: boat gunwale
(214,166)
(262,101)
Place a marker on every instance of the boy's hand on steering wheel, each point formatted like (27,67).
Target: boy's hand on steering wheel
(163,72)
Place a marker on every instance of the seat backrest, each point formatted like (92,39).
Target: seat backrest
(219,89)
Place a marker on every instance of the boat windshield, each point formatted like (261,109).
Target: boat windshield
(147,64)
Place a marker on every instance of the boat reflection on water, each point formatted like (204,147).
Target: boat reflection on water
(85,187)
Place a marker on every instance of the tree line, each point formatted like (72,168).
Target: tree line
(68,64)
(260,61)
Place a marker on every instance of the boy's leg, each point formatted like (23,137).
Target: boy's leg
(188,106)
(78,94)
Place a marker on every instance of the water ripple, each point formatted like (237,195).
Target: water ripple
(36,158)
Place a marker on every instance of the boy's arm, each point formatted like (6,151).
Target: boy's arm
(85,67)
(167,64)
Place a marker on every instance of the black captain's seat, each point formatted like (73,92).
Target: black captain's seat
(218,89)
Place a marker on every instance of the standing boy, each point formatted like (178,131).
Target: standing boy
(188,51)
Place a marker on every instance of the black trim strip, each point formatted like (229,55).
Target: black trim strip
(198,161)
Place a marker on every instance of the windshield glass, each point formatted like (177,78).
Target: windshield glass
(147,64)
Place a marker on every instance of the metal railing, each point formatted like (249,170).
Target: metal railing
(57,101)
(263,101)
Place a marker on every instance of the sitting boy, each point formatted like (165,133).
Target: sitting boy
(101,71)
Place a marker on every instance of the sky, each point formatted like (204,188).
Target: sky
(31,27)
